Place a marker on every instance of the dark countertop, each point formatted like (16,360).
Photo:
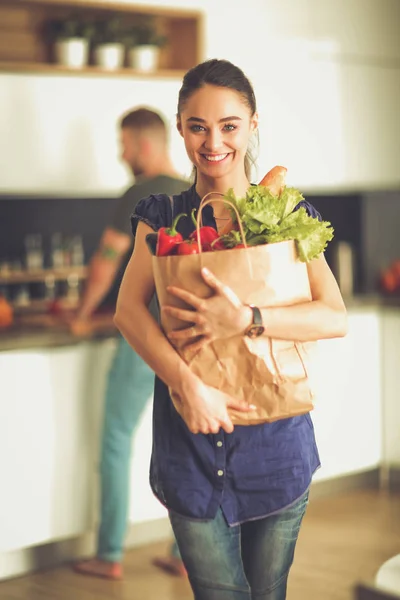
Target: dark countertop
(56,334)
(370,301)
(52,333)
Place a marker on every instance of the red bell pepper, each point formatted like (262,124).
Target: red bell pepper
(168,238)
(187,247)
(207,234)
(218,244)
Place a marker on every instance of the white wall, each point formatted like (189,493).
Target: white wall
(326,75)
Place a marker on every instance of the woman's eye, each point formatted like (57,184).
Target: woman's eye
(197,128)
(229,127)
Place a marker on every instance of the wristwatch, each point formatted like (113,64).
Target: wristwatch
(256,328)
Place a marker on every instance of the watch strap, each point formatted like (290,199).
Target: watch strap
(257,317)
(256,328)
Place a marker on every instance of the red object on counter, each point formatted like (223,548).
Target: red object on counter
(6,313)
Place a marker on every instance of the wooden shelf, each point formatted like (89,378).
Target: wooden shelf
(90,70)
(108,6)
(61,274)
(39,307)
(23,47)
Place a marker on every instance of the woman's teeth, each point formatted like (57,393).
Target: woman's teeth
(215,157)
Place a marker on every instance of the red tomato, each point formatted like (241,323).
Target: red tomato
(188,247)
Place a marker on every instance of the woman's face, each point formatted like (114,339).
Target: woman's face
(216,125)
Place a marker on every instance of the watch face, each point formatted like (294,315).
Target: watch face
(255,331)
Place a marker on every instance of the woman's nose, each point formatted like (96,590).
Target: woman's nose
(213,141)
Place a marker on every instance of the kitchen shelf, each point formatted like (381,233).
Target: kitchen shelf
(23,47)
(40,306)
(90,70)
(60,274)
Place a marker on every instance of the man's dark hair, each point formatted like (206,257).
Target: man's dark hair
(144,119)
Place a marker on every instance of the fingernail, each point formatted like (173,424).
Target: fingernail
(205,271)
(252,406)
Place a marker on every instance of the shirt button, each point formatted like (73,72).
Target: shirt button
(220,473)
(219,444)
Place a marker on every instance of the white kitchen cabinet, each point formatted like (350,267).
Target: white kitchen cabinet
(391,386)
(44,447)
(347,417)
(49,419)
(51,406)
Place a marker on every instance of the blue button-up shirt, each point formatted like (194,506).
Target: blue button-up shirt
(251,473)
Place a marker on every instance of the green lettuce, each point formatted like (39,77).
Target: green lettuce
(268,219)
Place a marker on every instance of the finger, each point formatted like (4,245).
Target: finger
(219,287)
(227,425)
(186,296)
(240,405)
(212,281)
(198,345)
(212,426)
(199,426)
(185,334)
(190,316)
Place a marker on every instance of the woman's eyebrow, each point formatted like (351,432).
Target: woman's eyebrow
(224,120)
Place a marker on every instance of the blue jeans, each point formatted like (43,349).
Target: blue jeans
(130,385)
(245,562)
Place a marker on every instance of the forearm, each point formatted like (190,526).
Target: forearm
(142,332)
(97,286)
(305,322)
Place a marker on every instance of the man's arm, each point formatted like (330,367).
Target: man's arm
(103,269)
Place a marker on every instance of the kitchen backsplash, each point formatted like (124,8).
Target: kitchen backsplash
(367,221)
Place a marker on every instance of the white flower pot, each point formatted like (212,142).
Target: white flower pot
(73,52)
(144,58)
(110,56)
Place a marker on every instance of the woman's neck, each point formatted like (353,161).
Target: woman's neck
(205,185)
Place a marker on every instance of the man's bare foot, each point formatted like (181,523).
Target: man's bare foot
(171,564)
(99,568)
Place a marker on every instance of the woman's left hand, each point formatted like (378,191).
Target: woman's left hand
(219,317)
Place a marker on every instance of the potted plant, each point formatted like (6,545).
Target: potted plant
(109,45)
(70,38)
(144,43)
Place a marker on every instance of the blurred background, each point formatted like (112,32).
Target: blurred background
(327,79)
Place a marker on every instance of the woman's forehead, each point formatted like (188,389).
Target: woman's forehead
(215,103)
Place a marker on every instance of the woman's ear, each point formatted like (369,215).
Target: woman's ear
(179,125)
(254,122)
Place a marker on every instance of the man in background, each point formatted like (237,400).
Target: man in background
(130,381)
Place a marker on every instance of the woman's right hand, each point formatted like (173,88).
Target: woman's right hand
(205,409)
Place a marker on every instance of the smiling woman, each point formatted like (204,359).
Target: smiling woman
(236,495)
(217,117)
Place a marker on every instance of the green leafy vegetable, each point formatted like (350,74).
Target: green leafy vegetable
(268,219)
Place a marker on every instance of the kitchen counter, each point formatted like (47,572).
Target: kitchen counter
(372,301)
(51,332)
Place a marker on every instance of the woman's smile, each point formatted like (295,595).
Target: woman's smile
(216,158)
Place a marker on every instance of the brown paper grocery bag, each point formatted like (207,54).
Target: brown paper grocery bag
(269,373)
